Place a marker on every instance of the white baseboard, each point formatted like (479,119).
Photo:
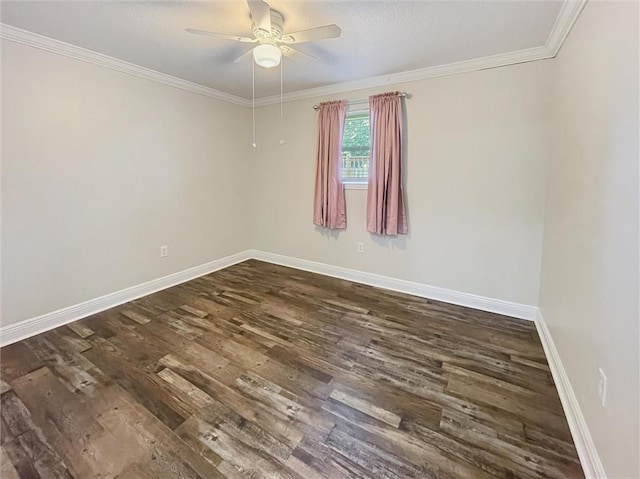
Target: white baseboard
(582,438)
(30,327)
(587,452)
(507,308)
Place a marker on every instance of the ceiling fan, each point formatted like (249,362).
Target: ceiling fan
(269,35)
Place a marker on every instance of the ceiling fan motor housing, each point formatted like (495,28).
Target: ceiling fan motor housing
(268,34)
(277,21)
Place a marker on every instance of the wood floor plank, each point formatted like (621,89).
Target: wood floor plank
(7,469)
(432,460)
(16,360)
(248,459)
(63,417)
(459,386)
(485,439)
(137,316)
(200,386)
(80,329)
(284,404)
(328,463)
(71,339)
(18,458)
(524,393)
(29,449)
(4,387)
(367,408)
(141,384)
(309,390)
(263,371)
(377,461)
(142,438)
(74,370)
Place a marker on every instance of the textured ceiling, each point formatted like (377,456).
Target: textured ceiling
(378,38)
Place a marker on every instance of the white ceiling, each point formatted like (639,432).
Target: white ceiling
(378,38)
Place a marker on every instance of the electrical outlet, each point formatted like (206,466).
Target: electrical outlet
(602,387)
(360,247)
(164,251)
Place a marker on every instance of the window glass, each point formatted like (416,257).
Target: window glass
(356,148)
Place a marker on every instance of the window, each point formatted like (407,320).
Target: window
(356,148)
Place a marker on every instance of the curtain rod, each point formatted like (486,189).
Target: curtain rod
(356,102)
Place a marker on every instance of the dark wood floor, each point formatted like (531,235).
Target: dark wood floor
(264,371)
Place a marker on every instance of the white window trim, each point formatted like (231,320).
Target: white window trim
(352,185)
(357,109)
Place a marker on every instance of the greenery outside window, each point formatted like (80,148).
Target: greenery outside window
(356,148)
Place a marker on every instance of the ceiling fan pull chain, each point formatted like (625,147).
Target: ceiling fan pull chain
(281,114)
(253,101)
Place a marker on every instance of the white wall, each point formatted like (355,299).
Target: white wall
(100,168)
(476,164)
(589,288)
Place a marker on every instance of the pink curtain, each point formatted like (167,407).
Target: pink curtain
(385,197)
(329,208)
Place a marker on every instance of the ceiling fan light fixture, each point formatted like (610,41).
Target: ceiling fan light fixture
(267,55)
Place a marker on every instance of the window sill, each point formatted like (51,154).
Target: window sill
(355,186)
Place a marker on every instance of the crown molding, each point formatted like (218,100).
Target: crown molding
(569,12)
(494,61)
(567,16)
(41,42)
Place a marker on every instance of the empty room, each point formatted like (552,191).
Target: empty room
(320,239)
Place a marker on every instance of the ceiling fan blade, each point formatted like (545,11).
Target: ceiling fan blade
(243,56)
(260,14)
(221,35)
(317,33)
(296,55)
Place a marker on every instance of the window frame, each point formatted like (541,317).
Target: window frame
(361,183)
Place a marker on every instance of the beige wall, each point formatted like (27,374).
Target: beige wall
(99,169)
(477,152)
(589,288)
